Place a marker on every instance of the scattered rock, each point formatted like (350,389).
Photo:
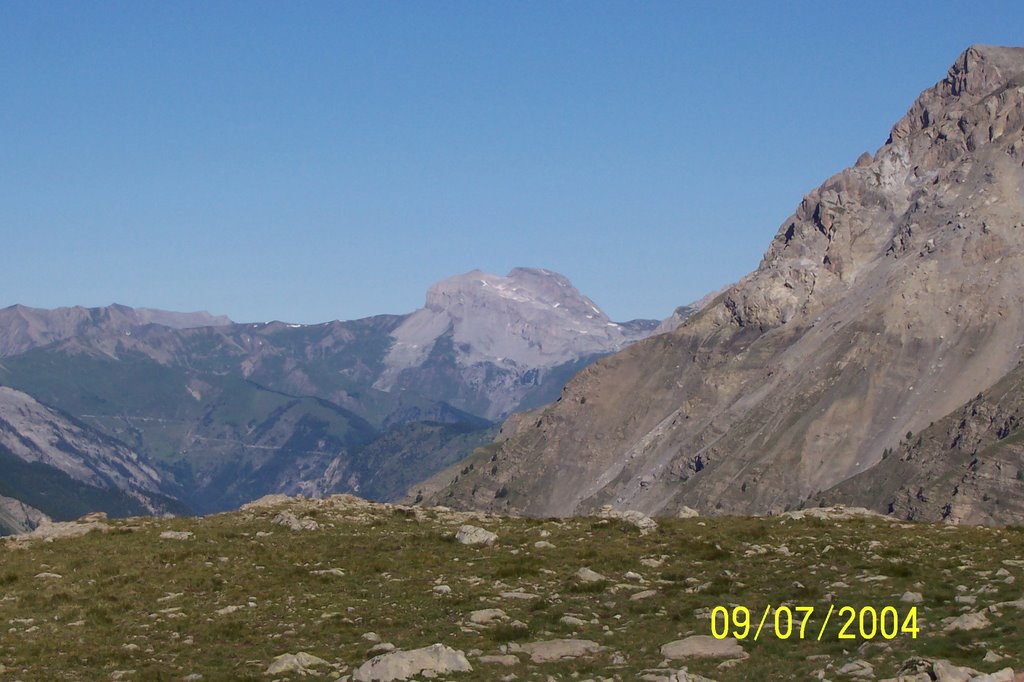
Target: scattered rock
(543,544)
(442,589)
(474,535)
(48,532)
(687,513)
(48,576)
(912,597)
(401,665)
(274,500)
(836,513)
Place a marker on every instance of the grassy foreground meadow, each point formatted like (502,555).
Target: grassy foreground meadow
(222,597)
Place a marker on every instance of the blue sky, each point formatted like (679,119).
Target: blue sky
(308,161)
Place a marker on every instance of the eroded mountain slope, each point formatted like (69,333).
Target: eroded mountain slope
(966,468)
(887,300)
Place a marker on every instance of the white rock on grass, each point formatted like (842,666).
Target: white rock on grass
(487,616)
(554,650)
(858,668)
(336,572)
(642,521)
(402,665)
(291,521)
(703,646)
(176,535)
(912,597)
(507,660)
(48,532)
(267,501)
(300,664)
(525,596)
(48,576)
(474,535)
(968,621)
(646,594)
(944,671)
(589,576)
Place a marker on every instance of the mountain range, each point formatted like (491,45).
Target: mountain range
(193,411)
(872,357)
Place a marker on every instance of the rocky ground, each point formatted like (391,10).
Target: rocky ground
(342,589)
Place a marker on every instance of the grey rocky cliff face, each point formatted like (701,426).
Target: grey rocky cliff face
(35,433)
(887,300)
(503,333)
(18,517)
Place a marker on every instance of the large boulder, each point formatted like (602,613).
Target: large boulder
(473,535)
(401,665)
(559,649)
(703,646)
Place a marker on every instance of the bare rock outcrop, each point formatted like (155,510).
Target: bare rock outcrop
(18,517)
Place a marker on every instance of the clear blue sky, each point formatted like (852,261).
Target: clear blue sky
(308,161)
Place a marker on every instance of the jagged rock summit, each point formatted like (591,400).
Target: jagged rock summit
(890,298)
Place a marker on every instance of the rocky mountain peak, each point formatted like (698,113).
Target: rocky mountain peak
(980,71)
(514,327)
(521,288)
(889,204)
